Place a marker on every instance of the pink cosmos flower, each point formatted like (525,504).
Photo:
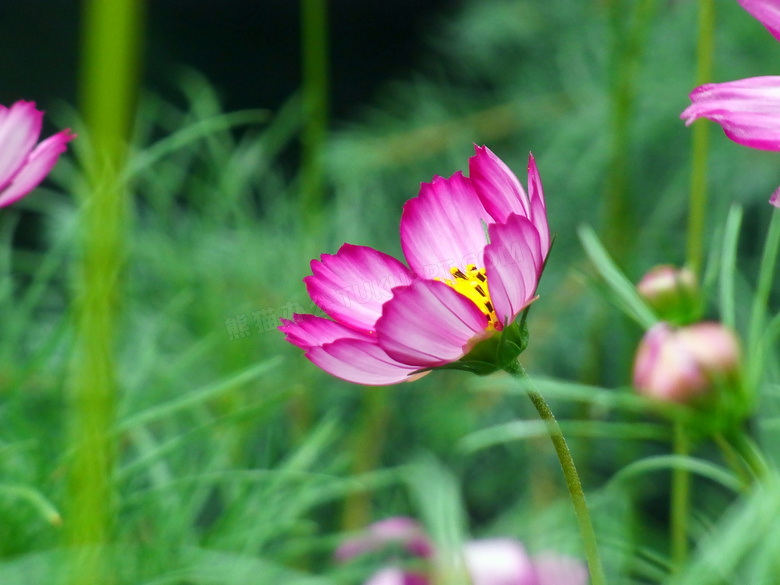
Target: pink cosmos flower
(23,165)
(747,109)
(475,247)
(496,561)
(399,529)
(503,561)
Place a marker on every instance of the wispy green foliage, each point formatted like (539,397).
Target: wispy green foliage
(237,460)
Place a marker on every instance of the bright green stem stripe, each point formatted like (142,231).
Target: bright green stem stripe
(570,473)
(314,32)
(629,23)
(367,444)
(698,201)
(680,504)
(766,277)
(110,55)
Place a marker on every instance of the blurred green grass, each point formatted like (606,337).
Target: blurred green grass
(238,461)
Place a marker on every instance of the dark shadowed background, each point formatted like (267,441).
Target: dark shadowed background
(249,49)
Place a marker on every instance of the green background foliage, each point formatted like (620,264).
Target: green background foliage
(235,460)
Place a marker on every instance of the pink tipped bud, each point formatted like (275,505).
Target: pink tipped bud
(672,293)
(713,346)
(679,365)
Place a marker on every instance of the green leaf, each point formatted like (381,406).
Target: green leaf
(665,462)
(728,266)
(626,297)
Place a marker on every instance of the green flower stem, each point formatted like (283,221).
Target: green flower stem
(698,201)
(569,472)
(681,497)
(314,34)
(367,443)
(112,33)
(629,25)
(766,278)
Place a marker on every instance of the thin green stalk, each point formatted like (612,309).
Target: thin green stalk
(314,33)
(367,443)
(570,473)
(629,23)
(681,498)
(734,460)
(109,64)
(766,278)
(698,200)
(751,454)
(728,267)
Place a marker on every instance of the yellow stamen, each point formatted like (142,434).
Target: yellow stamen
(473,285)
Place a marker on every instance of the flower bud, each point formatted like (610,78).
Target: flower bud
(679,365)
(672,293)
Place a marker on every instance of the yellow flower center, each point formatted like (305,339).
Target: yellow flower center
(473,284)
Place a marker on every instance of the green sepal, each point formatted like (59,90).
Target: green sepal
(481,360)
(497,352)
(513,341)
(477,367)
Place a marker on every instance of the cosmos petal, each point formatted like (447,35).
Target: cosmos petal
(765,11)
(513,266)
(20,126)
(429,324)
(352,285)
(307,331)
(361,362)
(499,190)
(443,227)
(538,206)
(36,167)
(747,109)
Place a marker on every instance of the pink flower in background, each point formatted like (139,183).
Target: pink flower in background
(394,576)
(503,561)
(23,165)
(497,561)
(475,246)
(747,109)
(677,365)
(400,530)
